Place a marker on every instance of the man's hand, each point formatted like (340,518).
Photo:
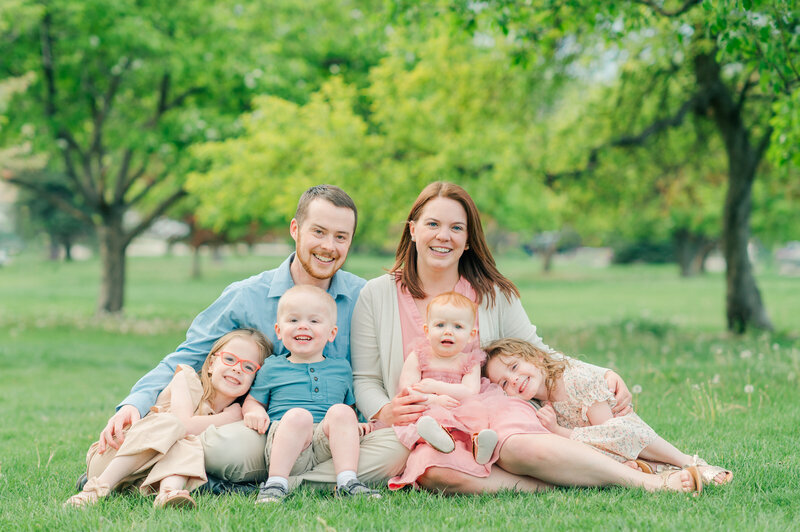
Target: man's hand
(621,394)
(365,428)
(405,408)
(256,419)
(113,435)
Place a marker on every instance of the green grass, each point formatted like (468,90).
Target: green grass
(63,370)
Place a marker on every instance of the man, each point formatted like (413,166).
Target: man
(323,229)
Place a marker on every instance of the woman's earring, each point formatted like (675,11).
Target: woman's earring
(466,247)
(413,239)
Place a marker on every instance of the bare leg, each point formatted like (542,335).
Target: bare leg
(570,463)
(174,482)
(341,427)
(663,451)
(122,466)
(451,481)
(293,435)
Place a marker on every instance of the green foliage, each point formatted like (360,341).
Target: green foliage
(440,109)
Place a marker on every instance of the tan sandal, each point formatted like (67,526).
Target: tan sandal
(91,493)
(644,467)
(709,473)
(172,498)
(694,473)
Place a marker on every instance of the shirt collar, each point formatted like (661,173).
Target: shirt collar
(282,281)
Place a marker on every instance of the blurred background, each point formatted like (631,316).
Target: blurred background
(590,134)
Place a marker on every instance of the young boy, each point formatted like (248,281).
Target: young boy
(309,416)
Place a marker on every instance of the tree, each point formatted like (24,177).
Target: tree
(729,62)
(38,213)
(123,88)
(442,107)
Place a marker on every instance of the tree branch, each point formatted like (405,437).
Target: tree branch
(687,5)
(56,200)
(156,181)
(158,211)
(692,104)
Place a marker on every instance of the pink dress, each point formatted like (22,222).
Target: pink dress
(491,408)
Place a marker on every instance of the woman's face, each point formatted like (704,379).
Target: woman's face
(440,234)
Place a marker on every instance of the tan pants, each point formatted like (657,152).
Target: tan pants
(174,453)
(238,454)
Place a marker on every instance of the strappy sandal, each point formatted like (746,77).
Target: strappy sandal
(709,473)
(644,467)
(694,473)
(91,493)
(172,498)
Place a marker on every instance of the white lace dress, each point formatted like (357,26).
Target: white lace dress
(621,438)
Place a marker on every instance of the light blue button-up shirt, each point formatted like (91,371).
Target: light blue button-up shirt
(252,303)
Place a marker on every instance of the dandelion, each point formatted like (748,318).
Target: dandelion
(746,354)
(637,388)
(748,389)
(775,347)
(94,41)
(715,379)
(791,376)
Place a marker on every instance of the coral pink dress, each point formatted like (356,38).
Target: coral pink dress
(491,408)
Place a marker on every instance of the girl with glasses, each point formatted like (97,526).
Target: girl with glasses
(162,452)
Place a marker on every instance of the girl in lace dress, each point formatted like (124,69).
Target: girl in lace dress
(578,406)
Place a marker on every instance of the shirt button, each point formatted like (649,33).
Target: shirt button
(311,370)
(316,389)
(316,379)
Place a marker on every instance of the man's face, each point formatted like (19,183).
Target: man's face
(324,238)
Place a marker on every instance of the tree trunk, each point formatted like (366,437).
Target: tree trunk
(548,254)
(196,270)
(743,300)
(113,243)
(690,251)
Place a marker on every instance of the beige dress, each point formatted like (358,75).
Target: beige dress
(176,452)
(621,438)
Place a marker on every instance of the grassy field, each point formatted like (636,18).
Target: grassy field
(63,370)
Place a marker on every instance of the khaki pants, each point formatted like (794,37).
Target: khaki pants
(237,453)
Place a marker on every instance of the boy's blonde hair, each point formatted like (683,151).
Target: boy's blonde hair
(264,350)
(551,366)
(454,299)
(315,291)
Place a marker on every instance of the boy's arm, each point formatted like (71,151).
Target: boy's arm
(255,415)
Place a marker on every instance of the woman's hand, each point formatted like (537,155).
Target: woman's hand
(621,394)
(405,408)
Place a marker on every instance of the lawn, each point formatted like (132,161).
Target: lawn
(64,370)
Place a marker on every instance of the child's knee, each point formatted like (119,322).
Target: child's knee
(341,414)
(297,419)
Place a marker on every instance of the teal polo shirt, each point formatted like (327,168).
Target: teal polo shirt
(282,385)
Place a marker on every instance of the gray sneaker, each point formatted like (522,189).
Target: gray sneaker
(354,488)
(270,493)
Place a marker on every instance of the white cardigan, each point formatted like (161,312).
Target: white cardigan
(376,339)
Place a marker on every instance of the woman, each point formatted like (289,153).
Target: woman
(443,249)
